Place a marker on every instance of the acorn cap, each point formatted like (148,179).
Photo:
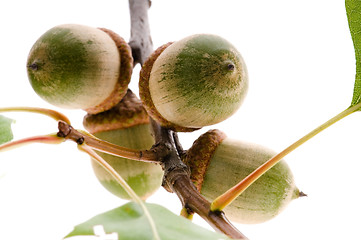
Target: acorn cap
(198,157)
(126,69)
(218,163)
(127,113)
(145,93)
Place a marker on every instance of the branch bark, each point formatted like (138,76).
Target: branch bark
(140,38)
(169,149)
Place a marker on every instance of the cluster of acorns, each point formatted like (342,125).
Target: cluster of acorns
(198,81)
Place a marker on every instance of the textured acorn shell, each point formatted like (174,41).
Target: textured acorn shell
(219,167)
(80,67)
(195,82)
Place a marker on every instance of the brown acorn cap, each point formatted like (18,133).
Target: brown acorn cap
(199,156)
(126,69)
(127,113)
(145,93)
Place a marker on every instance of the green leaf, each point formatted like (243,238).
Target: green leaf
(129,222)
(353,10)
(6,134)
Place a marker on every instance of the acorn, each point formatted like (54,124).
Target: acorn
(127,125)
(218,163)
(80,67)
(198,81)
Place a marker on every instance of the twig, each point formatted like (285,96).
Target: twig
(178,145)
(140,38)
(176,173)
(177,179)
(47,112)
(49,139)
(68,132)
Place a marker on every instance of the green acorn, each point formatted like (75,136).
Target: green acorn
(198,81)
(218,163)
(80,67)
(127,125)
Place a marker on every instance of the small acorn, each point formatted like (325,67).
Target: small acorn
(80,67)
(218,163)
(195,82)
(127,125)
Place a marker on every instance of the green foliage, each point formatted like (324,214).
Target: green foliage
(353,9)
(130,223)
(6,134)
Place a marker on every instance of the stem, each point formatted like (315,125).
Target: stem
(177,179)
(68,132)
(50,139)
(123,183)
(168,152)
(140,39)
(226,198)
(48,112)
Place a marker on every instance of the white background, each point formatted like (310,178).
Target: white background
(301,67)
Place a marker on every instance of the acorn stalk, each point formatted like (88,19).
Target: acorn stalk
(218,163)
(127,125)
